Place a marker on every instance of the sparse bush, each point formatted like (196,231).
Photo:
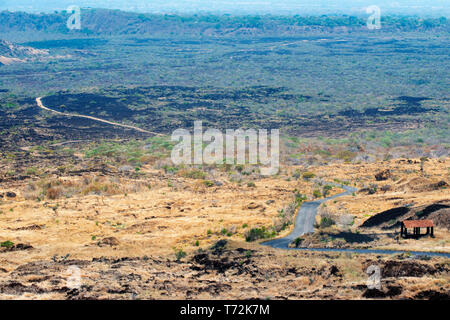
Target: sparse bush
(31,192)
(194,174)
(286,217)
(32,171)
(392,222)
(346,220)
(169,169)
(326,222)
(180,254)
(346,155)
(308,175)
(298,241)
(208,183)
(326,190)
(7,244)
(299,198)
(317,193)
(99,185)
(53,193)
(258,233)
(419,213)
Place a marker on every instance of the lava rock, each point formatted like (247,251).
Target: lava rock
(383,175)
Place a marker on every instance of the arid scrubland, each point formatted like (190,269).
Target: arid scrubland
(87,189)
(166,232)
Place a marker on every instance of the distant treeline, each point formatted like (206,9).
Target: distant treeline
(115,22)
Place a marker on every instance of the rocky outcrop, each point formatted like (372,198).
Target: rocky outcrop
(383,175)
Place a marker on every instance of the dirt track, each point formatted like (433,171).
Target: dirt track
(41,105)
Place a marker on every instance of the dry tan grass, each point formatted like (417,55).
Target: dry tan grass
(177,211)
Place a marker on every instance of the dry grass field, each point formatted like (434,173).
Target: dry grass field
(184,235)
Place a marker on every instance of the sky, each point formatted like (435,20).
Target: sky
(424,7)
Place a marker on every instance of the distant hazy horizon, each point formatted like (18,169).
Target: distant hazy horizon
(420,7)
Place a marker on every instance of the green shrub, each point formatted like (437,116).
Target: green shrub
(169,169)
(308,175)
(298,241)
(259,233)
(326,190)
(299,198)
(194,174)
(180,254)
(208,183)
(317,193)
(419,213)
(392,222)
(326,222)
(346,155)
(7,244)
(32,171)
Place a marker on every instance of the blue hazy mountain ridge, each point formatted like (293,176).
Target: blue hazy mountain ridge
(428,7)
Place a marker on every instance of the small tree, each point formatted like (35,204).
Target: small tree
(317,193)
(326,190)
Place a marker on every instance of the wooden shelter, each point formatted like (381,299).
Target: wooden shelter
(416,225)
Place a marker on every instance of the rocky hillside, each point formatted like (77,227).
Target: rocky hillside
(115,22)
(10,53)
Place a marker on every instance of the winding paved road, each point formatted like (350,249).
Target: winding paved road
(41,105)
(304,223)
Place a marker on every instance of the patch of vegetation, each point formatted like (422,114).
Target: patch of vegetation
(420,213)
(194,174)
(326,222)
(317,193)
(308,175)
(7,244)
(326,190)
(259,233)
(208,183)
(180,254)
(298,241)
